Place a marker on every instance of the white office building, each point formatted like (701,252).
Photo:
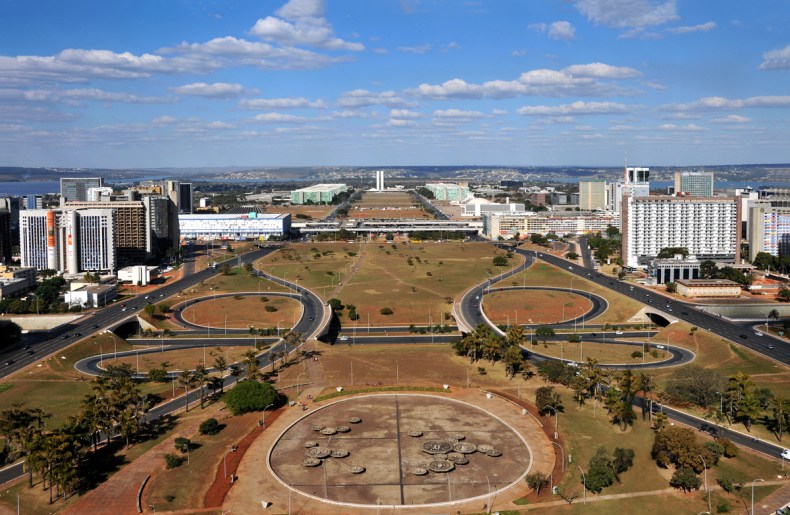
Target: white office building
(479,207)
(708,228)
(496,225)
(769,230)
(694,184)
(234,227)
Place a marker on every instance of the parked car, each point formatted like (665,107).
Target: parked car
(343,338)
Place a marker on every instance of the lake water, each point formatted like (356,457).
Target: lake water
(19,189)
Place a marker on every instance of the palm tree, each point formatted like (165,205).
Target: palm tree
(647,385)
(251,360)
(492,347)
(221,364)
(200,375)
(514,336)
(780,414)
(185,381)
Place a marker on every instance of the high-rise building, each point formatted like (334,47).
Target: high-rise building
(709,228)
(5,236)
(131,233)
(33,201)
(103,194)
(695,184)
(160,233)
(185,198)
(769,229)
(13,205)
(75,189)
(592,195)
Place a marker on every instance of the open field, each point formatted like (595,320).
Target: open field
(395,205)
(621,308)
(534,306)
(244,312)
(298,213)
(180,359)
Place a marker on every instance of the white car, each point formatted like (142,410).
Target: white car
(573,364)
(618,332)
(758,333)
(343,338)
(786,454)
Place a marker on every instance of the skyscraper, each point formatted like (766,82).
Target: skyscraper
(185,198)
(769,229)
(75,189)
(695,184)
(5,236)
(592,195)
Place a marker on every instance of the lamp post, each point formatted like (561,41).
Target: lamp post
(721,402)
(263,416)
(556,419)
(101,355)
(224,462)
(488,504)
(563,455)
(705,470)
(752,512)
(584,485)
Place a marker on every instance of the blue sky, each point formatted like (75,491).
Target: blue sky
(154,83)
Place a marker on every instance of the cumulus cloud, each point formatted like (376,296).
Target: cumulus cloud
(364,98)
(577,80)
(279,118)
(686,29)
(281,103)
(457,113)
(216,90)
(396,122)
(628,13)
(776,59)
(404,113)
(302,22)
(717,103)
(691,127)
(163,120)
(733,118)
(575,108)
(562,30)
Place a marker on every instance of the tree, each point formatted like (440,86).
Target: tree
(499,260)
(546,398)
(774,313)
(537,480)
(669,252)
(335,304)
(183,445)
(708,269)
(251,360)
(386,310)
(672,287)
(10,333)
(678,446)
(221,364)
(200,375)
(186,381)
(210,427)
(780,415)
(622,461)
(513,360)
(695,384)
(763,261)
(249,396)
(685,479)
(784,294)
(544,332)
(600,473)
(149,309)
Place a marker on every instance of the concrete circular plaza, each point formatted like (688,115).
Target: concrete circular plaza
(399,450)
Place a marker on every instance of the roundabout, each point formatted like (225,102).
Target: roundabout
(407,450)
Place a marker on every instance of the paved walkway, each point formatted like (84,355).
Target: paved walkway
(772,502)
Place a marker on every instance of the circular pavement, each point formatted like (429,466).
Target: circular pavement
(401,468)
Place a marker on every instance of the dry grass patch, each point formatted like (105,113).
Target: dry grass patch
(534,306)
(608,353)
(244,312)
(180,359)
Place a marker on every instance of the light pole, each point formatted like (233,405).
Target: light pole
(556,419)
(563,455)
(263,417)
(752,512)
(224,463)
(705,475)
(721,402)
(584,485)
(101,355)
(297,382)
(488,504)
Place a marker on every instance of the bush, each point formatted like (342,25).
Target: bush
(270,309)
(172,461)
(726,484)
(157,375)
(685,479)
(716,451)
(386,310)
(636,354)
(250,396)
(183,444)
(209,427)
(723,507)
(730,449)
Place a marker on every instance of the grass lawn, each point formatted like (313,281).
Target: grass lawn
(244,312)
(602,352)
(180,359)
(534,306)
(621,308)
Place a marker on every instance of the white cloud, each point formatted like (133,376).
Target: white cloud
(538,27)
(279,118)
(420,49)
(498,112)
(562,30)
(576,80)
(686,29)
(404,113)
(576,108)
(281,103)
(380,51)
(216,90)
(352,113)
(77,97)
(302,22)
(714,103)
(363,98)
(163,120)
(778,59)
(457,113)
(519,52)
(691,127)
(628,13)
(733,118)
(602,71)
(395,122)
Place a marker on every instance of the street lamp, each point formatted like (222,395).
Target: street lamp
(563,455)
(705,470)
(752,512)
(584,485)
(556,419)
(297,382)
(224,463)
(263,417)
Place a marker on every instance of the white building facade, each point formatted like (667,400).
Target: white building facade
(234,227)
(560,223)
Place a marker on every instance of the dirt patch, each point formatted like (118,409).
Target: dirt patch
(243,311)
(534,306)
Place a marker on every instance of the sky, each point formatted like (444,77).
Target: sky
(201,83)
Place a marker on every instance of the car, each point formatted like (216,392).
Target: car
(26,347)
(758,333)
(770,347)
(573,364)
(594,335)
(77,334)
(9,362)
(123,309)
(744,337)
(145,297)
(661,347)
(65,336)
(95,326)
(618,332)
(477,297)
(343,338)
(570,268)
(312,318)
(123,305)
(31,352)
(785,454)
(161,294)
(684,313)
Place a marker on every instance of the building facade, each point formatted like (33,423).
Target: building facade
(709,288)
(694,184)
(479,207)
(663,271)
(592,195)
(185,198)
(5,236)
(234,227)
(560,223)
(769,230)
(130,231)
(75,189)
(317,194)
(708,228)
(448,191)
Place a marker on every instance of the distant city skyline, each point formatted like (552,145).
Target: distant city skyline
(388,82)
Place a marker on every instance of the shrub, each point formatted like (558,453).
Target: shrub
(183,444)
(209,427)
(730,449)
(685,479)
(636,354)
(172,461)
(716,451)
(264,299)
(250,396)
(386,310)
(270,309)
